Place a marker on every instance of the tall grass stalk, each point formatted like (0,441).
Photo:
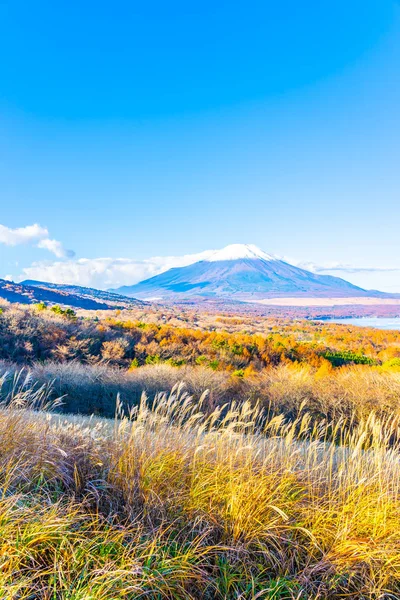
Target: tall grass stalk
(168,502)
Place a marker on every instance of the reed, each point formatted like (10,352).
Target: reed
(169,501)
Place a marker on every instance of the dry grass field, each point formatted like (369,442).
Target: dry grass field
(168,502)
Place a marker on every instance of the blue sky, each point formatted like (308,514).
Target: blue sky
(138,130)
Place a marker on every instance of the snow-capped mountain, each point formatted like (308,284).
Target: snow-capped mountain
(241,272)
(239,251)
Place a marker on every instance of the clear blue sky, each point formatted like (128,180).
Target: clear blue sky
(134,129)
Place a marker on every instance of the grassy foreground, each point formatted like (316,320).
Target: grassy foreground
(169,503)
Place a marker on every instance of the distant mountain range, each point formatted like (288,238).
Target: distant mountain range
(237,273)
(245,273)
(30,292)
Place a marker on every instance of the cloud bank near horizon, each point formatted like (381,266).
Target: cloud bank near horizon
(107,273)
(110,273)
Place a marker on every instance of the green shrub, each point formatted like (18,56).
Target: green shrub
(201,360)
(67,312)
(176,362)
(346,357)
(238,373)
(153,359)
(393,363)
(213,364)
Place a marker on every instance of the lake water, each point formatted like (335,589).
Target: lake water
(377,322)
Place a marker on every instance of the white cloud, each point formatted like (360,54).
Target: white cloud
(33,234)
(56,248)
(383,278)
(22,235)
(343,268)
(107,273)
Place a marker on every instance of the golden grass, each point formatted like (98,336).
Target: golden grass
(168,502)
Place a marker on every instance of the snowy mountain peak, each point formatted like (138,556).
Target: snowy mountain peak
(239,251)
(241,272)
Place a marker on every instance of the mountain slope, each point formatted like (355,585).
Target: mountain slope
(241,272)
(50,293)
(99,296)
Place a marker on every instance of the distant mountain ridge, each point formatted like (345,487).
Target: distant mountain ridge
(31,292)
(84,292)
(242,272)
